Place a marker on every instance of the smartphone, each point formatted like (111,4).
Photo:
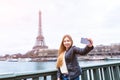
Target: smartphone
(85,41)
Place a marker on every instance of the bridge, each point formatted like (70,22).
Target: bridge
(109,71)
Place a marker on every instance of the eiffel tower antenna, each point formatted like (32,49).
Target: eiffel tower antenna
(40,40)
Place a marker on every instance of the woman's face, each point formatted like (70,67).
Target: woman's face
(67,43)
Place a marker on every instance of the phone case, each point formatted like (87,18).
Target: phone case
(84,41)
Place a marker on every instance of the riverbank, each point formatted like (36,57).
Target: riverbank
(94,58)
(44,59)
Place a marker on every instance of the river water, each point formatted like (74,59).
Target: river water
(13,67)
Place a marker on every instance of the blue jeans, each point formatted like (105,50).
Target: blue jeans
(67,78)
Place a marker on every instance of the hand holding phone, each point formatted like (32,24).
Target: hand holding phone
(85,41)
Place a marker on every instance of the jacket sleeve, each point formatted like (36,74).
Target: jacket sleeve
(82,51)
(58,73)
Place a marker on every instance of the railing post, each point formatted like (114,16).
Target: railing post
(102,73)
(45,78)
(107,73)
(116,72)
(84,75)
(54,76)
(96,74)
(90,74)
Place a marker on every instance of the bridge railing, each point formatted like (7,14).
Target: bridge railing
(109,71)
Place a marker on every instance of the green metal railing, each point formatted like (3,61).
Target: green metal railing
(110,71)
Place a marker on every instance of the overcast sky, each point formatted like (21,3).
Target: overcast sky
(96,19)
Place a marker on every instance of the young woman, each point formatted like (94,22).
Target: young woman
(67,64)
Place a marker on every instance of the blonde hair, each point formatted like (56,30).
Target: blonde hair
(61,50)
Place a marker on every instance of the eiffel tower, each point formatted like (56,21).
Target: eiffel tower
(40,40)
